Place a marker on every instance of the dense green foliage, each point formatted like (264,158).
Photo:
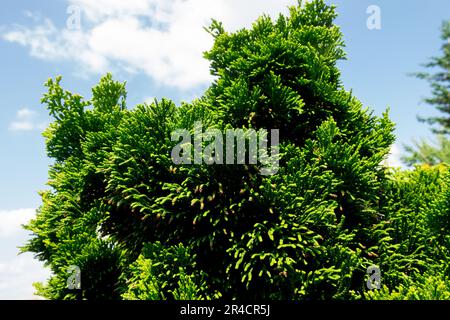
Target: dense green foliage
(141,227)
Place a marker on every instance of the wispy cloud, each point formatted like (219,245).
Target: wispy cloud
(162,39)
(394,157)
(26,120)
(17,275)
(17,272)
(11,221)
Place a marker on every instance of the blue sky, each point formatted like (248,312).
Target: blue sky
(156,45)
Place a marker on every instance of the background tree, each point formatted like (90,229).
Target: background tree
(439,80)
(425,152)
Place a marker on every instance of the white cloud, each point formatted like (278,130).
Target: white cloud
(17,272)
(162,39)
(26,120)
(11,221)
(17,275)
(393,159)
